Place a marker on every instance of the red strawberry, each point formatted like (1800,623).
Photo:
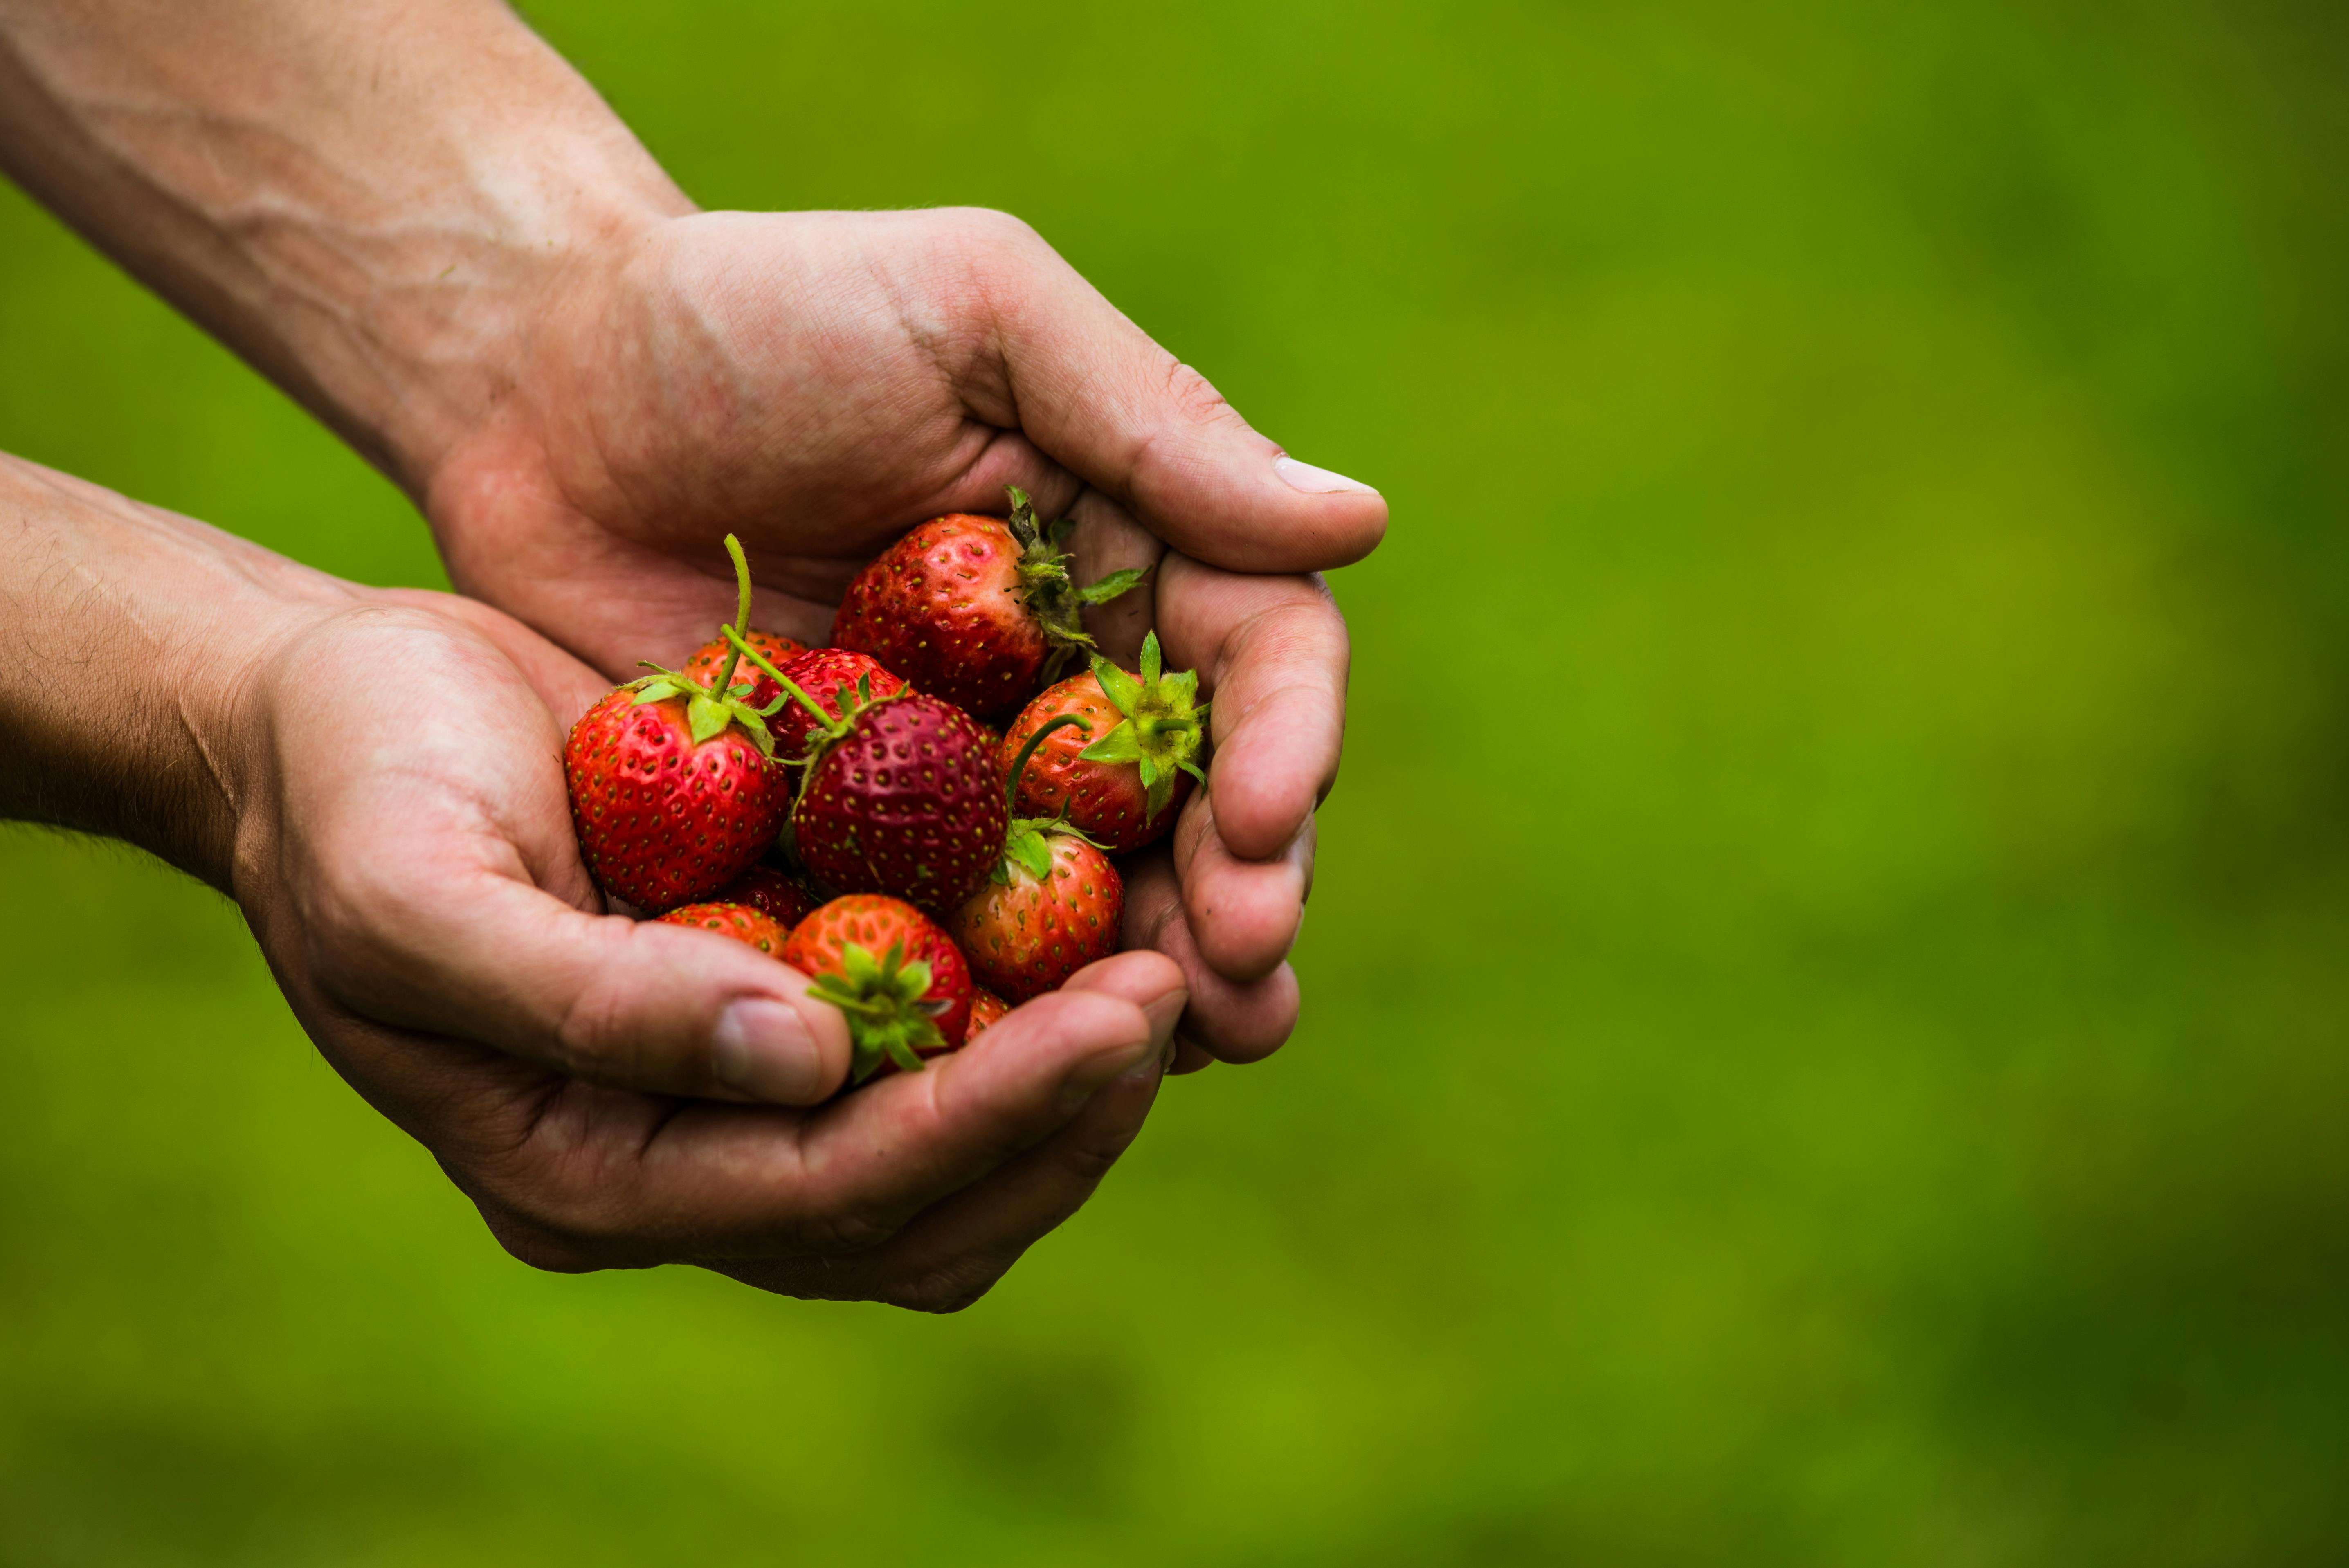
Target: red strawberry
(771,893)
(1120,780)
(673,795)
(711,656)
(739,922)
(986,1008)
(899,979)
(831,675)
(904,798)
(1028,934)
(1051,906)
(974,610)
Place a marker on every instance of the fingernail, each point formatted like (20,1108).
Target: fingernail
(1138,1059)
(1164,1014)
(1319,481)
(765,1049)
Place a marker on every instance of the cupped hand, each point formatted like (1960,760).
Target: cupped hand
(611,1092)
(817,383)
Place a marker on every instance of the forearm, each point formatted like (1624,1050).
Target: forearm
(368,199)
(126,637)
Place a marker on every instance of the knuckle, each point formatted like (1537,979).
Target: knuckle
(845,1231)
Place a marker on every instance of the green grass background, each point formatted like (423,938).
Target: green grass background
(1828,984)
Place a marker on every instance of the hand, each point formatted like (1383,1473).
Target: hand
(818,382)
(404,854)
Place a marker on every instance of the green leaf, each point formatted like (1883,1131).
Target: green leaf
(860,964)
(1122,744)
(1150,662)
(1180,689)
(1157,791)
(1027,847)
(1122,689)
(706,719)
(1111,587)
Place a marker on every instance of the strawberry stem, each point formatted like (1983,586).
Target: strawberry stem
(1020,763)
(833,727)
(741,617)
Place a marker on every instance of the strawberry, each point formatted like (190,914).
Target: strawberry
(1051,906)
(830,676)
(899,979)
(771,891)
(673,792)
(1028,934)
(975,610)
(739,922)
(713,655)
(986,1008)
(902,796)
(1120,780)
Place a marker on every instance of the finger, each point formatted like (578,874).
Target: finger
(1243,915)
(1189,1057)
(1232,1021)
(669,1010)
(1274,654)
(950,1254)
(1091,389)
(718,1182)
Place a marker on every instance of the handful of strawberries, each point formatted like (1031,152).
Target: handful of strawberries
(849,810)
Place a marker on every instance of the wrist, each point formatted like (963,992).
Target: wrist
(126,683)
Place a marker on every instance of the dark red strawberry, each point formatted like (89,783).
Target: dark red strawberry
(712,656)
(896,975)
(1051,905)
(771,891)
(973,609)
(1119,778)
(673,793)
(905,797)
(986,1008)
(737,920)
(831,676)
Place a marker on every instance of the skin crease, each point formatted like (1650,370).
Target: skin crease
(420,223)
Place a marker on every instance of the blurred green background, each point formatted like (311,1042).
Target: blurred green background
(1828,1031)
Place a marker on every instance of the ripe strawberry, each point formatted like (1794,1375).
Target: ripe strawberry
(771,892)
(974,610)
(1051,906)
(903,798)
(713,655)
(739,922)
(673,794)
(1119,778)
(1027,933)
(986,1008)
(831,675)
(899,979)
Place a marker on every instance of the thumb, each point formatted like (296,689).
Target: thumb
(1095,393)
(648,1005)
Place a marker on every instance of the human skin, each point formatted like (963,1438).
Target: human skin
(426,227)
(374,777)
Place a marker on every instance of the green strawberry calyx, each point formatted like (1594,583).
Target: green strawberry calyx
(885,1000)
(1051,595)
(708,710)
(1024,843)
(1164,729)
